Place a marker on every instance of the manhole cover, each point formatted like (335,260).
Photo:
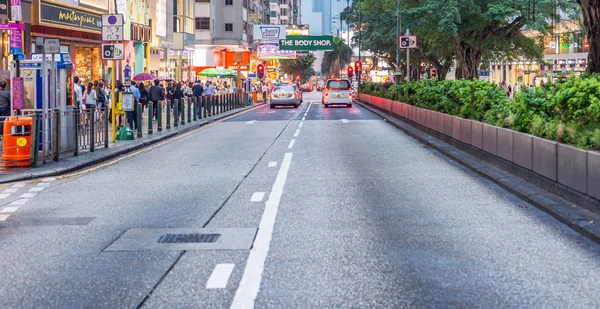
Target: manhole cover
(185,239)
(188,238)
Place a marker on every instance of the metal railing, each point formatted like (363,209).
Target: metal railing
(49,136)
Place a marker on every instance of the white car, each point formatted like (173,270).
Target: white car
(337,91)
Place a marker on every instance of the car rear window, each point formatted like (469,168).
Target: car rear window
(338,84)
(284,89)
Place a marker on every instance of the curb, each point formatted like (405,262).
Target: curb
(579,219)
(111,155)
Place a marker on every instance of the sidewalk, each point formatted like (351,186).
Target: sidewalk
(71,163)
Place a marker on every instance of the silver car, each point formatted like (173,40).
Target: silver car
(284,95)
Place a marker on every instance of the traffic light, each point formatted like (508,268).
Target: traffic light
(350,72)
(357,66)
(260,71)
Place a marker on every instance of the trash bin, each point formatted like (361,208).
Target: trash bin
(17,141)
(125,134)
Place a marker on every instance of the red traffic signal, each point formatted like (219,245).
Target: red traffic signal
(260,71)
(350,72)
(357,65)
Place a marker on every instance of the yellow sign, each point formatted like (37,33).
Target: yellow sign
(21,141)
(255,16)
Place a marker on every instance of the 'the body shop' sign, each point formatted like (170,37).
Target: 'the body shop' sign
(58,15)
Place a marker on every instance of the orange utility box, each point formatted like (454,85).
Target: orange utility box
(17,141)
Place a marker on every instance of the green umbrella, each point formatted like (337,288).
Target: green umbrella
(228,73)
(210,72)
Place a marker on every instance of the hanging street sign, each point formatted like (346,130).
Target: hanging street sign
(405,42)
(51,46)
(306,42)
(112,27)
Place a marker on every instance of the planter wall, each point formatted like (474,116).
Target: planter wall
(575,168)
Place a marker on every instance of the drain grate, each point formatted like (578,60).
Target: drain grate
(188,238)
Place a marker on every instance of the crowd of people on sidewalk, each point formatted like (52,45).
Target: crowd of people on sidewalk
(512,90)
(98,95)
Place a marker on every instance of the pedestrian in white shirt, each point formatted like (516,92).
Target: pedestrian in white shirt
(78,92)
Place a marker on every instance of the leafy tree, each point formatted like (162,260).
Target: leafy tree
(301,67)
(590,10)
(336,59)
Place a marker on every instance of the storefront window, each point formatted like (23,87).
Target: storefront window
(88,65)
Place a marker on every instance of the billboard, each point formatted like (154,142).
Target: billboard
(297,29)
(267,52)
(269,32)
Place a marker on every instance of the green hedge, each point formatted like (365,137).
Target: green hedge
(567,112)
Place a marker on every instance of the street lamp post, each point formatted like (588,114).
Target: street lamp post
(347,26)
(398,56)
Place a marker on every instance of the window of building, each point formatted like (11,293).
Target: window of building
(284,12)
(229,27)
(283,1)
(273,13)
(202,23)
(228,2)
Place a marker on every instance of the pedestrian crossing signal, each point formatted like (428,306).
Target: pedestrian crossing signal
(350,72)
(260,71)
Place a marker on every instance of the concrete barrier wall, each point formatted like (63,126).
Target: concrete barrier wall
(572,167)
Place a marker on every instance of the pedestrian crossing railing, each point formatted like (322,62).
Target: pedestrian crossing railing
(57,134)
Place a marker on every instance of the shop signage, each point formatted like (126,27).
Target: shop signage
(255,16)
(235,67)
(267,52)
(269,32)
(141,33)
(16,38)
(307,42)
(113,52)
(15,10)
(4,9)
(57,15)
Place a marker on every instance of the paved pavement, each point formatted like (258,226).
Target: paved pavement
(350,212)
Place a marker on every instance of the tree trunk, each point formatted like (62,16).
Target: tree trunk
(468,58)
(591,20)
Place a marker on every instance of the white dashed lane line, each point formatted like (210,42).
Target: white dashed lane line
(297,133)
(28,195)
(9,209)
(11,190)
(3,217)
(24,198)
(300,125)
(220,276)
(43,184)
(257,197)
(272,164)
(291,145)
(3,196)
(19,202)
(18,185)
(37,189)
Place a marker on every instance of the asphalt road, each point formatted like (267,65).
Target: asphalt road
(345,211)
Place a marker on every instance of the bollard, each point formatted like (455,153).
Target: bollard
(189,109)
(210,103)
(76,130)
(35,138)
(56,138)
(105,116)
(92,121)
(195,102)
(175,113)
(168,114)
(182,111)
(150,111)
(138,121)
(159,107)
(201,105)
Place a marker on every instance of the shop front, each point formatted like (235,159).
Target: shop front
(79,30)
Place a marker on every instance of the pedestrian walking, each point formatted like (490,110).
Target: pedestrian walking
(143,96)
(90,96)
(156,94)
(77,89)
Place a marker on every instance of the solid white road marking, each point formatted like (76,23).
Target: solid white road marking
(250,283)
(43,184)
(300,125)
(272,164)
(28,195)
(9,209)
(220,276)
(19,202)
(37,189)
(257,197)
(251,122)
(10,191)
(297,133)
(18,185)
(3,196)
(51,179)
(4,217)
(291,145)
